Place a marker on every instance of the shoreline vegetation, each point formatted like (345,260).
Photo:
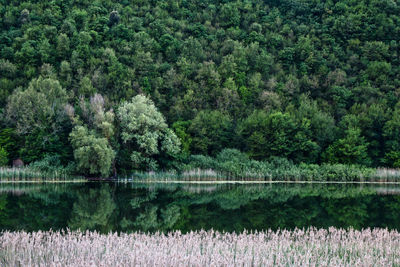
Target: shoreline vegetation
(32,174)
(300,247)
(314,174)
(229,165)
(234,165)
(299,174)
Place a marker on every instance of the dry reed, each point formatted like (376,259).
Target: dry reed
(312,247)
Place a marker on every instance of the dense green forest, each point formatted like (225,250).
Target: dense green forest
(108,87)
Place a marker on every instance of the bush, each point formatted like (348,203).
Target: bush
(51,165)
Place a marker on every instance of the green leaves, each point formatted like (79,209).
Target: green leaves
(277,134)
(3,157)
(37,107)
(92,154)
(391,133)
(351,149)
(211,131)
(145,132)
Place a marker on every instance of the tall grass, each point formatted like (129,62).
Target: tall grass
(312,247)
(32,174)
(303,172)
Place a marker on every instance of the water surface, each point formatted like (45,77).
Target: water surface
(161,207)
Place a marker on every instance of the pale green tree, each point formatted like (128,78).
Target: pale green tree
(40,106)
(93,154)
(145,132)
(92,136)
(94,115)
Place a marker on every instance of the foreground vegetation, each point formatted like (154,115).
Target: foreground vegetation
(116,87)
(333,247)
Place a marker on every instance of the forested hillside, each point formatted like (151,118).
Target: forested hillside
(142,84)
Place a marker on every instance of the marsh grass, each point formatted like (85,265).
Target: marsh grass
(31,174)
(303,173)
(311,247)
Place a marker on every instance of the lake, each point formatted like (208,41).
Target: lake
(130,207)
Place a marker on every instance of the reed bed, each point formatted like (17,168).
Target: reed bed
(306,173)
(31,174)
(312,247)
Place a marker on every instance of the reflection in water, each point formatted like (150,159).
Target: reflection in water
(138,207)
(93,209)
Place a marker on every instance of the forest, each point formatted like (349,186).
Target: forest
(106,88)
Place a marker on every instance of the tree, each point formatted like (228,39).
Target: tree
(391,133)
(40,119)
(181,130)
(211,132)
(195,56)
(145,132)
(351,149)
(92,154)
(96,117)
(41,105)
(10,142)
(92,136)
(277,134)
(317,124)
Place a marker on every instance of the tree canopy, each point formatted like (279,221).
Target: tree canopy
(313,81)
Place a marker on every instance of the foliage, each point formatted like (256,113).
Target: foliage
(3,157)
(93,154)
(40,105)
(296,79)
(392,135)
(51,164)
(145,132)
(211,131)
(231,164)
(350,149)
(277,134)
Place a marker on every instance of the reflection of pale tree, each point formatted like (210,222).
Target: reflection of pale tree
(150,216)
(137,201)
(170,216)
(153,218)
(93,210)
(147,220)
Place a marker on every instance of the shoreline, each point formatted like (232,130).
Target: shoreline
(200,182)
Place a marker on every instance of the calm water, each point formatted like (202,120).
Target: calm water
(131,207)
